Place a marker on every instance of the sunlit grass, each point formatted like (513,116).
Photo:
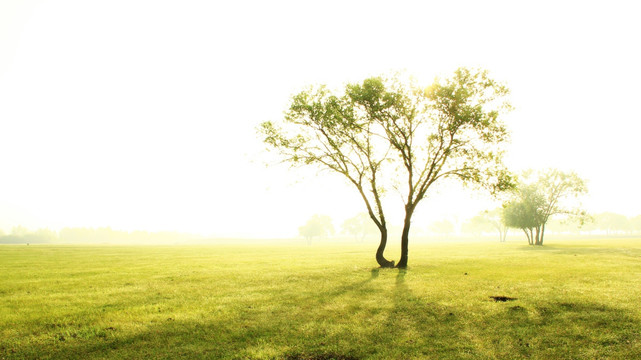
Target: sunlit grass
(574,300)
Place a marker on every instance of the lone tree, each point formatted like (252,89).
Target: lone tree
(476,225)
(317,225)
(451,129)
(524,212)
(536,199)
(495,218)
(414,136)
(487,221)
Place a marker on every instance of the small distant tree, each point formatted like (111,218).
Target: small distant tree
(495,218)
(540,197)
(476,225)
(487,221)
(525,213)
(317,225)
(442,227)
(359,226)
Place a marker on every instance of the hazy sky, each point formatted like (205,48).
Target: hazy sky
(141,114)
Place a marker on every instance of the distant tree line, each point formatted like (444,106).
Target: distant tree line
(606,223)
(609,223)
(487,223)
(22,235)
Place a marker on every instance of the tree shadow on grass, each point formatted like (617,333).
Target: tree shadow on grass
(222,339)
(414,329)
(421,328)
(362,319)
(425,329)
(251,330)
(355,286)
(559,330)
(331,324)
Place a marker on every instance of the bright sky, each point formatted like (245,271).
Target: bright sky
(141,114)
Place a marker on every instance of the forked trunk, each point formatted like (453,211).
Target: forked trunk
(380,258)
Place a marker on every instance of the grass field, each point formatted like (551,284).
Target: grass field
(574,300)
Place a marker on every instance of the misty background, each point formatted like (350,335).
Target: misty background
(141,115)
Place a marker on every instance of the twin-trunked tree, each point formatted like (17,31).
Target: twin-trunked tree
(537,198)
(385,133)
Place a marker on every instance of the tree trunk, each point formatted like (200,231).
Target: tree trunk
(405,238)
(542,231)
(538,234)
(380,259)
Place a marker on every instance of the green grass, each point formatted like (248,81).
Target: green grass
(575,300)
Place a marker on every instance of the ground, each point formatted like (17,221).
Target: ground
(568,299)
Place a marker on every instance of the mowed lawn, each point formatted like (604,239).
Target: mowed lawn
(574,300)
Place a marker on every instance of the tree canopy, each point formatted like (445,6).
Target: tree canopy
(388,133)
(331,132)
(317,225)
(540,196)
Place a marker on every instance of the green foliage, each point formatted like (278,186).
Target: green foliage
(391,133)
(333,133)
(449,129)
(541,196)
(487,221)
(287,301)
(526,210)
(477,225)
(22,235)
(317,225)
